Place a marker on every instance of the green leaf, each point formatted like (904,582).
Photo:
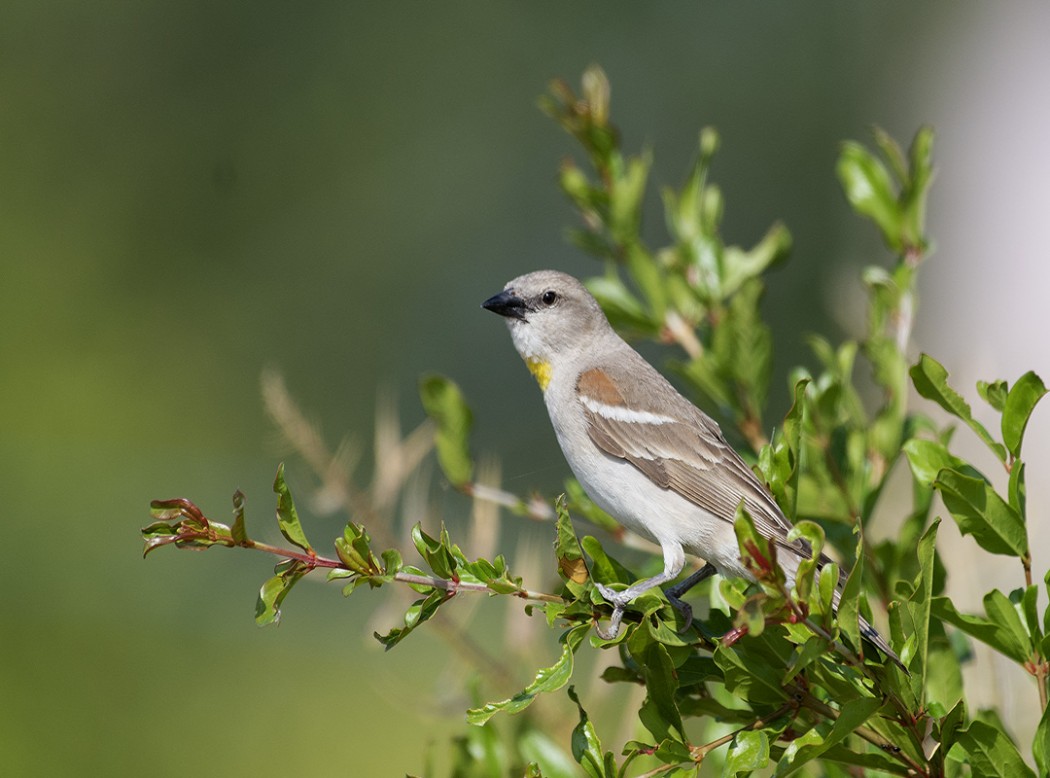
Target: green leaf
(1016,490)
(807,654)
(991,753)
(444,403)
(928,458)
(944,682)
(981,512)
(571,565)
(684,210)
(849,602)
(191,529)
(813,534)
(626,193)
(674,753)
(852,714)
(891,152)
(781,458)
(750,751)
(621,306)
(659,712)
(354,551)
(1003,613)
(999,636)
(741,266)
(1028,601)
(287,517)
(950,726)
(237,529)
(919,606)
(548,679)
(591,243)
(417,613)
(916,187)
(931,381)
(480,753)
(827,583)
(273,592)
(538,747)
(869,760)
(603,567)
(756,551)
(1041,744)
(541,750)
(1020,403)
(744,332)
(756,682)
(751,616)
(157,535)
(1046,613)
(993,393)
(436,552)
(868,187)
(587,747)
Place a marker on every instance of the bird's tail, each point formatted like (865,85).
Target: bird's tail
(872,635)
(869,633)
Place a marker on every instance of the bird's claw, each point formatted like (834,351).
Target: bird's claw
(619,602)
(612,596)
(614,625)
(683,608)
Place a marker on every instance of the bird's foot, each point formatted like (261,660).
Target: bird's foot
(674,594)
(683,608)
(619,602)
(613,630)
(618,599)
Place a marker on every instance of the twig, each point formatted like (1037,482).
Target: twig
(866,733)
(699,752)
(537,509)
(1040,669)
(453,586)
(681,333)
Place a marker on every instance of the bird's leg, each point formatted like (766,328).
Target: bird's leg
(675,593)
(674,560)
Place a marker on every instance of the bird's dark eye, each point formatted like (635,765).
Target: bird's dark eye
(549,297)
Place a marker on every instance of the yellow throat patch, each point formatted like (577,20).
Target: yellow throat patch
(540,370)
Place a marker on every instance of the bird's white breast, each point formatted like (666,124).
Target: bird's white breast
(626,493)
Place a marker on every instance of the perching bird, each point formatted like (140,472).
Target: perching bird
(646,455)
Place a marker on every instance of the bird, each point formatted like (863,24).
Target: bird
(644,453)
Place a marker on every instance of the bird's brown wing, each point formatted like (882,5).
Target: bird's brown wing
(678,447)
(681,449)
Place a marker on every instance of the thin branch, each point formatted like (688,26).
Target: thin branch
(537,509)
(905,314)
(1040,669)
(699,752)
(678,330)
(453,586)
(866,733)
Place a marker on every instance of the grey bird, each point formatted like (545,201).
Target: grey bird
(644,453)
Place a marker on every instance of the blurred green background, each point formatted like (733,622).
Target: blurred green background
(192,192)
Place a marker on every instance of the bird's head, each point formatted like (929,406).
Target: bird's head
(551,315)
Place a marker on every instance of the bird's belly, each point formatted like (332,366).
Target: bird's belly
(661,515)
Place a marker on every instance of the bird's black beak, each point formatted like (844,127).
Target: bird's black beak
(508,304)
